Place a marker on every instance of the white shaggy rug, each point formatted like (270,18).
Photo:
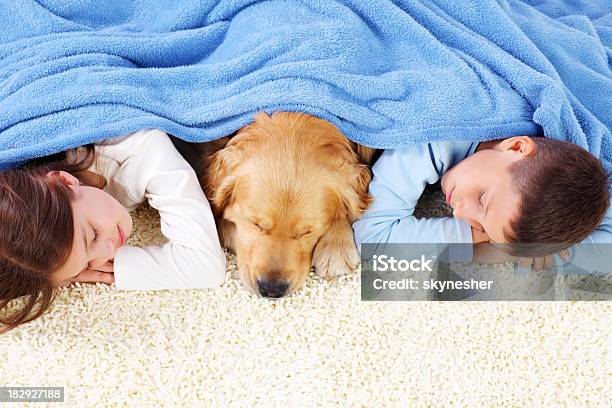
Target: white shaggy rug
(321,347)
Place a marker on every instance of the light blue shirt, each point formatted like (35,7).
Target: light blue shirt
(399,178)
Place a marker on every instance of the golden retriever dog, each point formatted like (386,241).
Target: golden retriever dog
(285,191)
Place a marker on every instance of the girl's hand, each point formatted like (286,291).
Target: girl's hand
(103,274)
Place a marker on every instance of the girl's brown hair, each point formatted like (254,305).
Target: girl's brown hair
(37,231)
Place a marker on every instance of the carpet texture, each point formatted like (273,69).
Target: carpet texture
(319,347)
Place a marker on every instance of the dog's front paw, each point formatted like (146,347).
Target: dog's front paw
(335,253)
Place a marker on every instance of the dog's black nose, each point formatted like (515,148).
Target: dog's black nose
(272,288)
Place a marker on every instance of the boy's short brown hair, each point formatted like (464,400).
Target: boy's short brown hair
(564,193)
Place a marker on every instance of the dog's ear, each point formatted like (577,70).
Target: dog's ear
(220,161)
(360,180)
(348,161)
(367,155)
(218,177)
(355,198)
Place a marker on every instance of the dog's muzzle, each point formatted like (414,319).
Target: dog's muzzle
(272,288)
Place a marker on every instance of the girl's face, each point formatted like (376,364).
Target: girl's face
(101,226)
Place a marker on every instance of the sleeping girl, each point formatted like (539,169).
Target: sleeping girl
(65,218)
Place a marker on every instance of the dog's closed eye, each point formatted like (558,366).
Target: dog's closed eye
(257,225)
(260,225)
(303,233)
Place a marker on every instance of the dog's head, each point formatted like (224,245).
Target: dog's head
(276,188)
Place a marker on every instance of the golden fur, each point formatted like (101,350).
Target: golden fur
(285,191)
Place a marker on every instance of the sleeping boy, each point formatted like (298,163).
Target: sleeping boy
(533,197)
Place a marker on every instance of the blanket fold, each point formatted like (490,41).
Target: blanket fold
(387,73)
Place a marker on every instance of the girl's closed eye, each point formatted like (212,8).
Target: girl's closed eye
(480,198)
(96,234)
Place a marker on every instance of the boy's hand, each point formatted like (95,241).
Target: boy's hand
(486,254)
(543,263)
(103,274)
(479,236)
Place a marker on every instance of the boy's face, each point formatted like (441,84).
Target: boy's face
(480,188)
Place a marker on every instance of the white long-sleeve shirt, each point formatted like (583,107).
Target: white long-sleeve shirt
(146,164)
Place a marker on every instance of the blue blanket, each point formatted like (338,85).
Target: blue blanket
(387,73)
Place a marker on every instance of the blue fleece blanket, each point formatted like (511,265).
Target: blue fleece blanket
(387,73)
